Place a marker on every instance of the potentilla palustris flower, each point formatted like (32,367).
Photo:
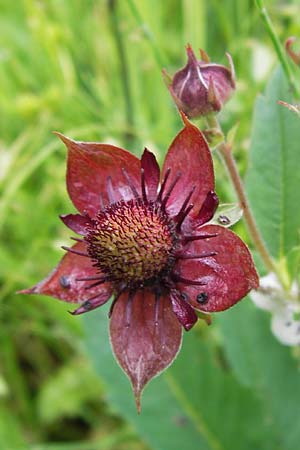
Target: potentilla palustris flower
(145,242)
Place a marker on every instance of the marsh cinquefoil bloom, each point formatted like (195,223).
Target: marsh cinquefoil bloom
(145,242)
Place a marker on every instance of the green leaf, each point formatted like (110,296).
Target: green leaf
(194,405)
(273,179)
(10,431)
(262,363)
(219,403)
(162,423)
(66,394)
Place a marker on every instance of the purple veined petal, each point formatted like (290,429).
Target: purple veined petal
(145,336)
(89,166)
(91,304)
(76,222)
(229,273)
(62,282)
(151,173)
(183,310)
(207,210)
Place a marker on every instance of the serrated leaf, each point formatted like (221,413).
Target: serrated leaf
(265,365)
(273,179)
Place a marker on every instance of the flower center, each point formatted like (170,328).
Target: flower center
(133,242)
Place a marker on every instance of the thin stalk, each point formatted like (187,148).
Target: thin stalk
(278,46)
(159,58)
(124,71)
(226,152)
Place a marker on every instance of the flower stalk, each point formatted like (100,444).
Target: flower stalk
(225,149)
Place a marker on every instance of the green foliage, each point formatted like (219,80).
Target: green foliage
(202,403)
(272,181)
(67,391)
(265,365)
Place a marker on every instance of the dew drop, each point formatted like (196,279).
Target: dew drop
(64,282)
(223,220)
(87,305)
(202,297)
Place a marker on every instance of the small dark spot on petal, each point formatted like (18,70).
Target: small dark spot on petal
(87,305)
(223,220)
(202,297)
(64,282)
(288,324)
(184,296)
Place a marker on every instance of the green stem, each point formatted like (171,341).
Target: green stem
(124,72)
(159,58)
(227,156)
(278,46)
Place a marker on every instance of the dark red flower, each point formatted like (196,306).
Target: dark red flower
(201,87)
(144,241)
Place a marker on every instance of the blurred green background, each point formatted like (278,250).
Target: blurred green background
(92,70)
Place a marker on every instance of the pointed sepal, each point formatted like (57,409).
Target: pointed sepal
(145,336)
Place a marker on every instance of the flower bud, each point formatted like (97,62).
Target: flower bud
(295,56)
(201,87)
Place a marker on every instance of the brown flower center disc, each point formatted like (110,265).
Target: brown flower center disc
(133,242)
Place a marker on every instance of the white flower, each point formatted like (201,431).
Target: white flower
(285,308)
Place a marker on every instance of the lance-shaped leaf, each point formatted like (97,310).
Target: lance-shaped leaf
(273,178)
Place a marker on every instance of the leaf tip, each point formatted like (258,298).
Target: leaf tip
(31,290)
(67,141)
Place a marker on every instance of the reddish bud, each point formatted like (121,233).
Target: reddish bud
(201,87)
(295,56)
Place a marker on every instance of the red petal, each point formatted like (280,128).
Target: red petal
(145,336)
(91,304)
(76,222)
(89,166)
(207,210)
(183,310)
(152,173)
(189,154)
(230,274)
(61,282)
